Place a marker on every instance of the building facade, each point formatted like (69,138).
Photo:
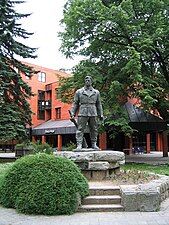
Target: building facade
(51,122)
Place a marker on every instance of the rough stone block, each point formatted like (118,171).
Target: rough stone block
(87,174)
(109,156)
(149,197)
(114,165)
(149,201)
(129,197)
(122,162)
(86,150)
(98,166)
(99,174)
(83,165)
(76,156)
(84,156)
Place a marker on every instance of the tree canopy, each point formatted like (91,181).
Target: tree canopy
(15,112)
(126,45)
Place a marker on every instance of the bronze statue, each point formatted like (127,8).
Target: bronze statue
(88,105)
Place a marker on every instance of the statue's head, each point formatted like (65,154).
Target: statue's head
(88,81)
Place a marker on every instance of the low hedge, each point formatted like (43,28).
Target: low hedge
(43,184)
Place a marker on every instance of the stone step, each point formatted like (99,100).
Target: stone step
(105,190)
(99,199)
(101,208)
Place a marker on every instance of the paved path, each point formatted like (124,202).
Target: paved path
(153,158)
(7,155)
(11,217)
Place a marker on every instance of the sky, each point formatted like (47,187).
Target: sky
(45,24)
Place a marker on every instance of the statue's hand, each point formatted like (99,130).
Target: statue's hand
(72,118)
(101,118)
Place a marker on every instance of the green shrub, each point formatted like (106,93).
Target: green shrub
(25,145)
(41,148)
(70,146)
(36,147)
(3,169)
(43,184)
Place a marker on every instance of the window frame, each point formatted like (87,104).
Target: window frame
(42,77)
(58,113)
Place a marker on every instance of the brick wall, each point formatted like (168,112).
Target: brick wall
(52,78)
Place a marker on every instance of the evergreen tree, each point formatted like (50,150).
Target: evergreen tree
(126,46)
(15,112)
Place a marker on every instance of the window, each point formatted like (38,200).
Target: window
(41,115)
(42,77)
(41,95)
(58,113)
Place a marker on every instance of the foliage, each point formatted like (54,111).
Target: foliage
(41,148)
(160,169)
(70,146)
(36,147)
(133,176)
(25,145)
(3,169)
(43,184)
(126,48)
(15,112)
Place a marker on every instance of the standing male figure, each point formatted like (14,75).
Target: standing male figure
(88,105)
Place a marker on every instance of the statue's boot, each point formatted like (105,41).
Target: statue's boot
(94,146)
(79,146)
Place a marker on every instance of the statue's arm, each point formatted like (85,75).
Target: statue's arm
(99,106)
(75,105)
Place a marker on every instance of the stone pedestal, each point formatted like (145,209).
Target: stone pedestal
(95,165)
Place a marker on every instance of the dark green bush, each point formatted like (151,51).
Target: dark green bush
(41,148)
(70,146)
(24,145)
(43,184)
(35,147)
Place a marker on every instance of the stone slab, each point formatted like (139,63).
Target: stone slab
(99,175)
(83,165)
(109,156)
(98,166)
(145,197)
(76,156)
(86,150)
(129,197)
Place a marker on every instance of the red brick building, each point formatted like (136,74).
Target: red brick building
(51,118)
(46,105)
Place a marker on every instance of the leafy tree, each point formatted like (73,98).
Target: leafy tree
(126,45)
(15,112)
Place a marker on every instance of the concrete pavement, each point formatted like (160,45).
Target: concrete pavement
(11,217)
(153,158)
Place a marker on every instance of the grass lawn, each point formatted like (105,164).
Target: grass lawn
(161,169)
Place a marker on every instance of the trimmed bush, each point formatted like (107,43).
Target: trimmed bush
(43,184)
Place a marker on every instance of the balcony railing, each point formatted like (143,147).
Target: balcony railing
(48,87)
(42,104)
(48,104)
